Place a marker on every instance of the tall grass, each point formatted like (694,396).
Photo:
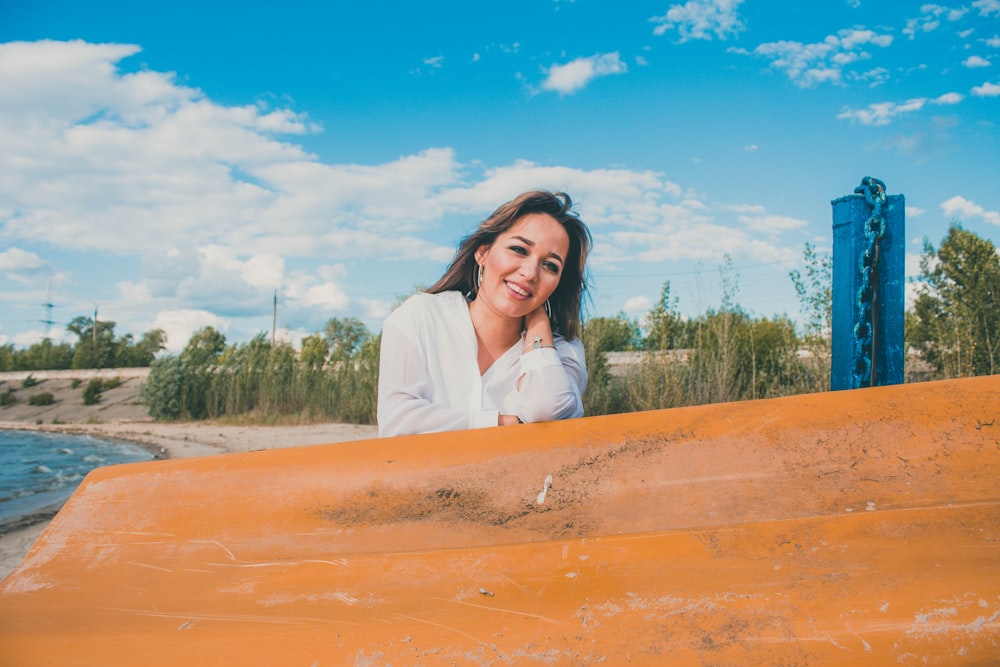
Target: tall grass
(729,357)
(266,383)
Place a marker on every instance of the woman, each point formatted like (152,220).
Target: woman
(495,341)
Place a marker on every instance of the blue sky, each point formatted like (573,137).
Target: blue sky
(175,164)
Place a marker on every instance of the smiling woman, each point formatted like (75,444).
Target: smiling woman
(494,341)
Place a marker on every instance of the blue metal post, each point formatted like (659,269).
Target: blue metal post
(850,218)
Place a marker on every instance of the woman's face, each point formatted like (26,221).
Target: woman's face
(523,266)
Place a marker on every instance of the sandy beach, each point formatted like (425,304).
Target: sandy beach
(120,415)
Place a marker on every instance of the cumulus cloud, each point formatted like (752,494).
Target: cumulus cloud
(930,19)
(987,7)
(873,78)
(986,90)
(575,75)
(178,325)
(963,209)
(15,262)
(808,65)
(883,113)
(701,19)
(973,62)
(637,305)
(203,210)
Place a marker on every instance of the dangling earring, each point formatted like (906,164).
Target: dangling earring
(479,277)
(548,309)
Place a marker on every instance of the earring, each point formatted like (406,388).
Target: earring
(548,309)
(479,277)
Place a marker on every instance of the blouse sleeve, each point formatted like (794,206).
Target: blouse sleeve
(552,382)
(404,393)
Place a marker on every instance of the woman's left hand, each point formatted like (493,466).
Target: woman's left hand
(536,323)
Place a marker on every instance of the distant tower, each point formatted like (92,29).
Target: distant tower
(48,311)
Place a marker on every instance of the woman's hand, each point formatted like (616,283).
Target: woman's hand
(537,321)
(508,420)
(537,325)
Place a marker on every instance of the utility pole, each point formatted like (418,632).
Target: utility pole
(48,311)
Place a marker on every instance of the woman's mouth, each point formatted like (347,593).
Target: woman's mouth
(518,291)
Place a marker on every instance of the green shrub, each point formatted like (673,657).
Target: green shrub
(8,397)
(44,398)
(75,383)
(29,381)
(92,393)
(111,383)
(161,392)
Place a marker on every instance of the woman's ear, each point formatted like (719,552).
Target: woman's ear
(481,253)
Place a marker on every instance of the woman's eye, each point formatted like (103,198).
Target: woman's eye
(551,266)
(520,250)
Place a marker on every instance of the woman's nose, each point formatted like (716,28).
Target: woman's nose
(528,269)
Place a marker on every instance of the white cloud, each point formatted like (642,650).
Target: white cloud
(135,292)
(874,77)
(178,325)
(987,7)
(15,261)
(637,304)
(975,62)
(986,90)
(883,113)
(324,291)
(701,19)
(205,210)
(127,157)
(961,208)
(751,148)
(948,98)
(756,209)
(576,74)
(914,211)
(808,65)
(930,19)
(772,224)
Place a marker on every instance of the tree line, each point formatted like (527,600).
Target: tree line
(96,347)
(724,354)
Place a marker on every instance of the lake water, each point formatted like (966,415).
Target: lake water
(40,470)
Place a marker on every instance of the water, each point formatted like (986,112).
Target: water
(40,471)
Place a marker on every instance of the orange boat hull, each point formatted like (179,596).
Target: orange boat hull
(846,528)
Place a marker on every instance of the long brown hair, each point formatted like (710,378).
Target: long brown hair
(567,299)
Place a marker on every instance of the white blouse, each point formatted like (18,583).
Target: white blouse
(429,373)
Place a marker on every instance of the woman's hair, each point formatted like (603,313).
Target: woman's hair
(567,299)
